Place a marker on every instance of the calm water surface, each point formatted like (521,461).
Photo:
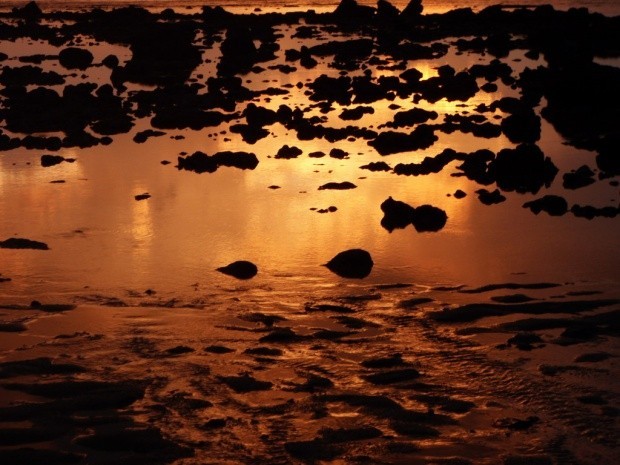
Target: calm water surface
(102,240)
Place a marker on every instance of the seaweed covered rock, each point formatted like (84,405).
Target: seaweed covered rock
(353,263)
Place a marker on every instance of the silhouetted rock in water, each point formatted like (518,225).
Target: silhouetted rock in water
(338,154)
(75,58)
(110,61)
(19,243)
(459,194)
(30,12)
(427,218)
(476,125)
(523,126)
(589,212)
(239,53)
(582,177)
(412,117)
(162,54)
(551,204)
(249,134)
(259,116)
(214,349)
(317,154)
(51,160)
(174,117)
(354,114)
(576,116)
(240,269)
(144,196)
(397,214)
(460,86)
(70,113)
(143,136)
(490,198)
(287,152)
(476,166)
(413,10)
(523,169)
(353,263)
(411,76)
(330,89)
(429,164)
(389,142)
(386,12)
(200,162)
(377,166)
(424,218)
(351,11)
(607,159)
(29,75)
(338,186)
(245,383)
(512,299)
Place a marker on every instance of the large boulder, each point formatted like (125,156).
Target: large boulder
(353,263)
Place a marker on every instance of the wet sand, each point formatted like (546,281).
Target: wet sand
(360,117)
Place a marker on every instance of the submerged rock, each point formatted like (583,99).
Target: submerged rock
(353,263)
(240,269)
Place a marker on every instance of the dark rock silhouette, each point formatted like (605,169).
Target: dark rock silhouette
(202,163)
(351,11)
(523,169)
(75,58)
(162,54)
(589,212)
(353,263)
(413,10)
(287,152)
(20,243)
(425,218)
(338,186)
(551,204)
(490,198)
(389,142)
(579,178)
(397,214)
(240,269)
(377,166)
(30,12)
(51,160)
